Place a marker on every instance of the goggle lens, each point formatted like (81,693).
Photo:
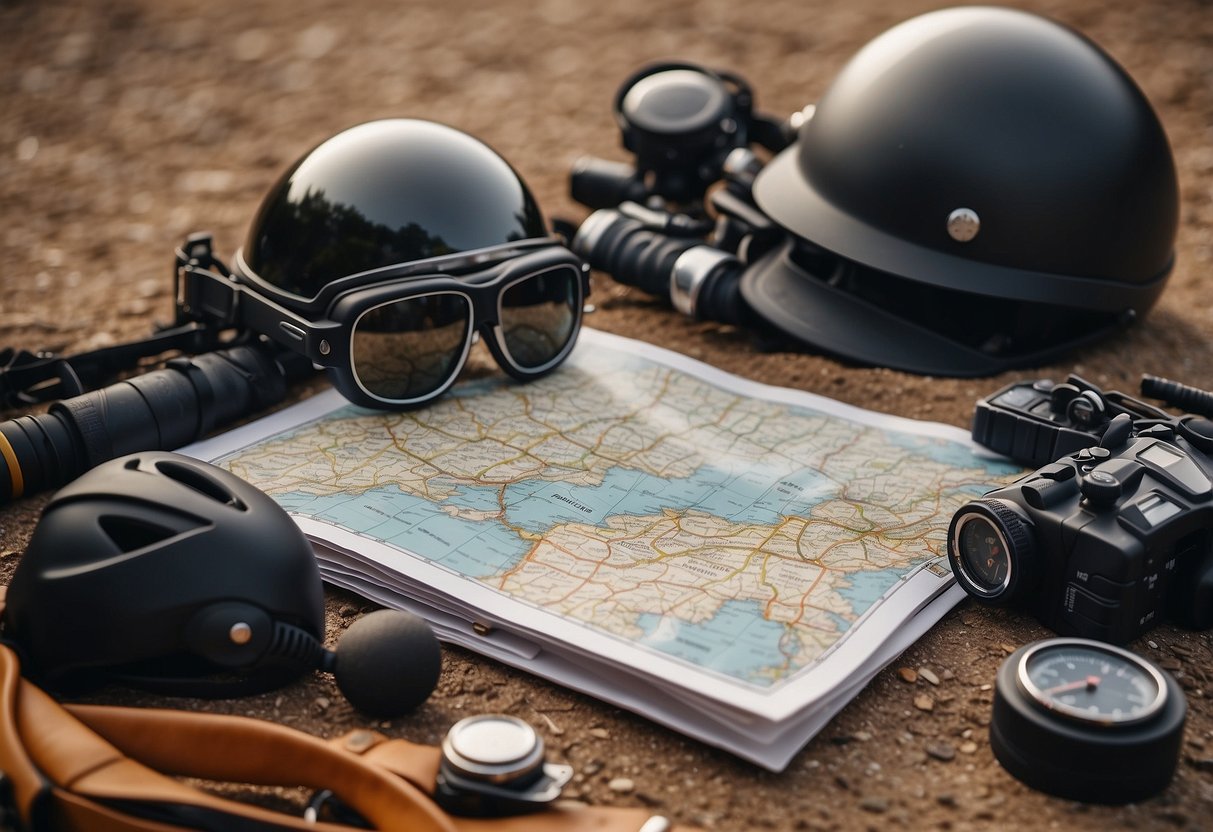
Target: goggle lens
(408,349)
(539,315)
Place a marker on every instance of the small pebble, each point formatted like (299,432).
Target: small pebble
(941,751)
(600,733)
(969,747)
(876,805)
(1153,644)
(136,308)
(623,785)
(926,673)
(924,703)
(907,674)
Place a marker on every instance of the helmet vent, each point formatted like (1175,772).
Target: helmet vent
(192,478)
(129,534)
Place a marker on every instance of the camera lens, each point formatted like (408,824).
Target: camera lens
(989,545)
(983,551)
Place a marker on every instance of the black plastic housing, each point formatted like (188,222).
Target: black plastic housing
(160,410)
(1120,539)
(139,570)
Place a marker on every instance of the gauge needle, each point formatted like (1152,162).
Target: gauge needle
(1090,683)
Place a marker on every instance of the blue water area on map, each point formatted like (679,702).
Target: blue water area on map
(955,454)
(863,589)
(476,497)
(471,547)
(737,640)
(740,498)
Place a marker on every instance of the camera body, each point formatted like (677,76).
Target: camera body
(1106,541)
(1037,422)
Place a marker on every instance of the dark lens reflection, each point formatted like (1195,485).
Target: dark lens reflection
(410,348)
(538,316)
(984,556)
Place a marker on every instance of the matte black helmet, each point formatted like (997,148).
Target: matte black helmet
(380,194)
(142,571)
(979,189)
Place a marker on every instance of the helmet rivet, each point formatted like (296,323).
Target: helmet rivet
(240,633)
(963,224)
(325,349)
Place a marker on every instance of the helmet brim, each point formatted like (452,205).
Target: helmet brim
(788,197)
(812,311)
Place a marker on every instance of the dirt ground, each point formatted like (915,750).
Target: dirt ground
(125,124)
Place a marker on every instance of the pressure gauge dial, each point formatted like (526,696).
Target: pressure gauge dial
(1096,684)
(1088,721)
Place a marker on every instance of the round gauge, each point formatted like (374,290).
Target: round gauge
(1087,721)
(982,550)
(1092,682)
(991,551)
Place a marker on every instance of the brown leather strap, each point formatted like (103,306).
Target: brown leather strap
(78,765)
(50,745)
(242,750)
(27,782)
(83,758)
(416,763)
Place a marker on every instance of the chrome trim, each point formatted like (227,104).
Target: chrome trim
(690,272)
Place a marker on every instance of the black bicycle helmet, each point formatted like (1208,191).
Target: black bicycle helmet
(166,572)
(381,194)
(979,189)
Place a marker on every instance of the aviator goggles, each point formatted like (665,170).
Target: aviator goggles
(397,337)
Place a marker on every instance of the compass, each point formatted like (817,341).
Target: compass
(1084,720)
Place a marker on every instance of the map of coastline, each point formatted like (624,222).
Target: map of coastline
(740,535)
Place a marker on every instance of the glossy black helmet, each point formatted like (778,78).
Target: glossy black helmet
(979,189)
(162,571)
(381,194)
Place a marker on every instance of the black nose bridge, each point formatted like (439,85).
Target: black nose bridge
(484,306)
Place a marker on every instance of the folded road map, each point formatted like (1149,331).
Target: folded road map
(732,560)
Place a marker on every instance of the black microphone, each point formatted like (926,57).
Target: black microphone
(387,662)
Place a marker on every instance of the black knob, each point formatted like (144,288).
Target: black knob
(1102,487)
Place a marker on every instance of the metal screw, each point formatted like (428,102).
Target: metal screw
(963,224)
(240,633)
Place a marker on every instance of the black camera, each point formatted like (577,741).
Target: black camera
(1106,541)
(1037,422)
